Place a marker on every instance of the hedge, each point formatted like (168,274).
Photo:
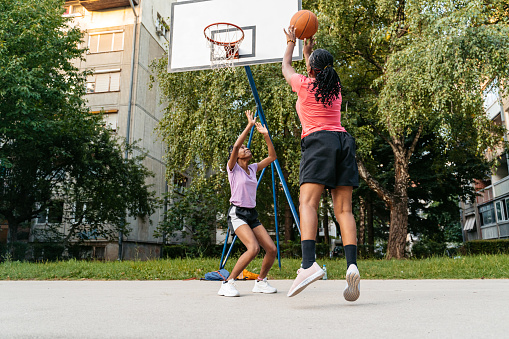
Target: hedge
(495,246)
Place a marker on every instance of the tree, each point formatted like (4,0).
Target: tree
(412,69)
(195,214)
(51,147)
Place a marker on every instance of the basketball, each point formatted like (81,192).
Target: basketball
(306,24)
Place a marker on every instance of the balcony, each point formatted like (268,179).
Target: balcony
(484,195)
(97,5)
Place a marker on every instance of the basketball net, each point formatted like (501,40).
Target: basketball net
(223,40)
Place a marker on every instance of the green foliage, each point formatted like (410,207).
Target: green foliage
(195,213)
(47,251)
(475,247)
(51,147)
(428,248)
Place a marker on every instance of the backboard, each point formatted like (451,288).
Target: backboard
(261,20)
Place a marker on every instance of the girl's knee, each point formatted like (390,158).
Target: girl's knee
(254,250)
(271,250)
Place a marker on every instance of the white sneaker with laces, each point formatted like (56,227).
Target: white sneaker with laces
(353,282)
(263,286)
(228,289)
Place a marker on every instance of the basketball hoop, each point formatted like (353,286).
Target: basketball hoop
(224,40)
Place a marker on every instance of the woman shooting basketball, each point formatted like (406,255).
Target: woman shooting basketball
(328,160)
(242,215)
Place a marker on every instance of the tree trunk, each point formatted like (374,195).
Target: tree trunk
(288,222)
(362,227)
(369,225)
(398,228)
(362,221)
(13,231)
(325,221)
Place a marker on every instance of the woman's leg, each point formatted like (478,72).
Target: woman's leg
(342,199)
(310,194)
(248,238)
(267,244)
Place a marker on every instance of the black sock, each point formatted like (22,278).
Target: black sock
(351,255)
(308,253)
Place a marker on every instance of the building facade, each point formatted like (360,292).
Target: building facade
(123,38)
(488,216)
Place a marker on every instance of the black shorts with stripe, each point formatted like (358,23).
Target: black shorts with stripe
(240,216)
(328,158)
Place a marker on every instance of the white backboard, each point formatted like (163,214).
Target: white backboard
(261,20)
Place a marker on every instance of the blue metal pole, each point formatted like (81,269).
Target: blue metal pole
(224,247)
(228,254)
(275,214)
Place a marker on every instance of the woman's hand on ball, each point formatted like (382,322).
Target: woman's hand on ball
(290,35)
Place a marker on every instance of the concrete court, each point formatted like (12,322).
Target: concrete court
(192,309)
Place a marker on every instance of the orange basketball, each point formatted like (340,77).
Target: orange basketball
(306,24)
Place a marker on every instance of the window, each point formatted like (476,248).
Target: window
(487,213)
(110,118)
(103,82)
(106,42)
(42,217)
(74,10)
(56,212)
(501,210)
(110,121)
(53,214)
(79,213)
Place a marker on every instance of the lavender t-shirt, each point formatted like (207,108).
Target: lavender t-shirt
(243,186)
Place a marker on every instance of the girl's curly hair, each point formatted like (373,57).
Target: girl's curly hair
(327,85)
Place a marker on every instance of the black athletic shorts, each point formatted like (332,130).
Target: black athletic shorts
(328,158)
(240,216)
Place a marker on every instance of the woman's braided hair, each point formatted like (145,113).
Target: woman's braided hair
(326,85)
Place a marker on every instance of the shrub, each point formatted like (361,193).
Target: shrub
(428,248)
(495,246)
(47,251)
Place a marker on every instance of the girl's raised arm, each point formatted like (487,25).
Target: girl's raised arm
(240,140)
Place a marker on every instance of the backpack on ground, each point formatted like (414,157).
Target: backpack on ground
(220,275)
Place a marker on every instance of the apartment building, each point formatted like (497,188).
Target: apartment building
(488,216)
(123,37)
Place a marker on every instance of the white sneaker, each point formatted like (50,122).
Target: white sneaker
(304,278)
(263,286)
(228,289)
(353,282)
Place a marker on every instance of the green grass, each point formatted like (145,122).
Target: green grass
(467,267)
